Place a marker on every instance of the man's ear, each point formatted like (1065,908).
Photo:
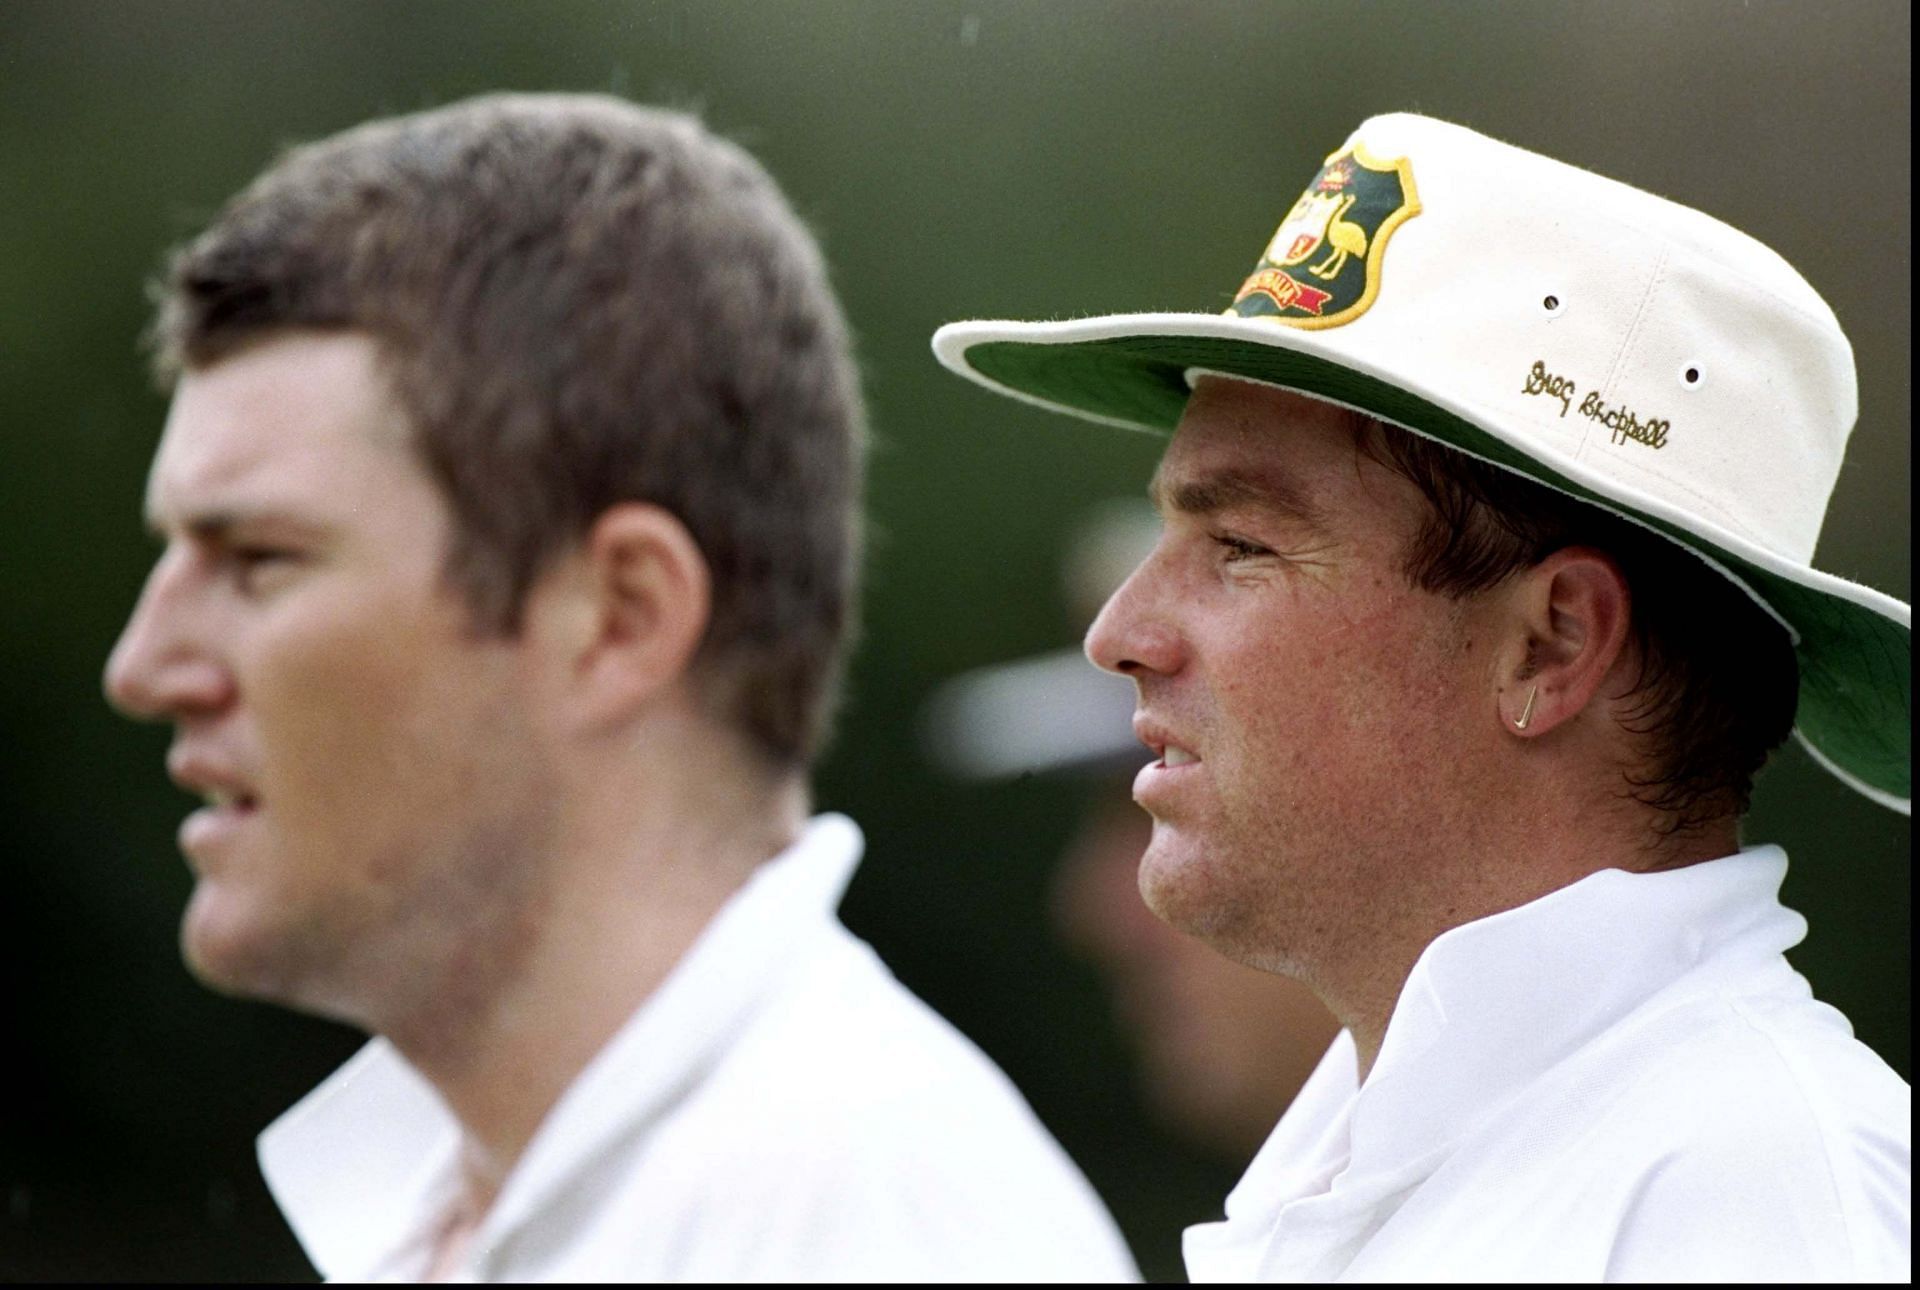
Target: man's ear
(639,595)
(1567,629)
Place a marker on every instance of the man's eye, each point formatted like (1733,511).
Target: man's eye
(249,565)
(1238,548)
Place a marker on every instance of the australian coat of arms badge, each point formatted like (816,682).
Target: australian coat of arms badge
(1322,267)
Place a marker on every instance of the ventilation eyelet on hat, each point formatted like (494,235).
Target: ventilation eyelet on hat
(1692,376)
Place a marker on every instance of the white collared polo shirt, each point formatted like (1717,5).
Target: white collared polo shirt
(1621,1081)
(781,1109)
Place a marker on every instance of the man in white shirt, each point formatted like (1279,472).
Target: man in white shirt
(509,497)
(1483,589)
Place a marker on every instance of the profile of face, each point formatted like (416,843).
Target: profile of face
(1223,1047)
(1305,703)
(372,776)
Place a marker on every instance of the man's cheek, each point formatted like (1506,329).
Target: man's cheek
(335,712)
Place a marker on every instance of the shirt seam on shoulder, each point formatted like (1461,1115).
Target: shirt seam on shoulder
(1816,1110)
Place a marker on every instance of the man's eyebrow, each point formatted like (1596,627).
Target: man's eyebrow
(208,526)
(216,525)
(1226,489)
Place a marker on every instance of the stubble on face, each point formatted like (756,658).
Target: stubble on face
(400,894)
(1325,694)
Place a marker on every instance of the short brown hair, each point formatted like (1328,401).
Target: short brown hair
(579,302)
(1718,684)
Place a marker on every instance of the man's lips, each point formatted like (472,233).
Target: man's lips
(216,780)
(1175,761)
(231,802)
(205,832)
(1171,749)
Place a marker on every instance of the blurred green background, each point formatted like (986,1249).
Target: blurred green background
(979,159)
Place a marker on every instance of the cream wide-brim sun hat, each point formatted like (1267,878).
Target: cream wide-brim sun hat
(1624,349)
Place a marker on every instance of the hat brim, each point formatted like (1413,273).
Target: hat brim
(1135,371)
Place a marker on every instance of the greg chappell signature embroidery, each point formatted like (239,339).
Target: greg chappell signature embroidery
(1626,424)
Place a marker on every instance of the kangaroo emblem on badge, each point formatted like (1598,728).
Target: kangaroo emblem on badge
(1322,266)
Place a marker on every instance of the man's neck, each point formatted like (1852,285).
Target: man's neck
(616,921)
(1364,995)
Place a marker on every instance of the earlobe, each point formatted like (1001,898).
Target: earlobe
(1569,630)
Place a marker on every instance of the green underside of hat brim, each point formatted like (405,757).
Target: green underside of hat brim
(1856,665)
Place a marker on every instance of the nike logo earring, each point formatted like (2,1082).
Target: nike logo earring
(1526,713)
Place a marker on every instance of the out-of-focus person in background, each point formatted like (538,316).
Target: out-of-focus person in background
(510,508)
(1221,1047)
(1485,587)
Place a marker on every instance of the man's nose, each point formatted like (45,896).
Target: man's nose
(162,666)
(1130,635)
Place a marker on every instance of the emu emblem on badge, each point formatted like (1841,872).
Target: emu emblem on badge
(1322,267)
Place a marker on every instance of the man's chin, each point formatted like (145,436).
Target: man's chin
(234,954)
(1177,883)
(1199,890)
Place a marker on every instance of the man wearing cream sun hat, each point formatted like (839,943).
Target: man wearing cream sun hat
(1484,589)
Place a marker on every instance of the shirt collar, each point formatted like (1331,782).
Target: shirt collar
(363,1165)
(1492,1004)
